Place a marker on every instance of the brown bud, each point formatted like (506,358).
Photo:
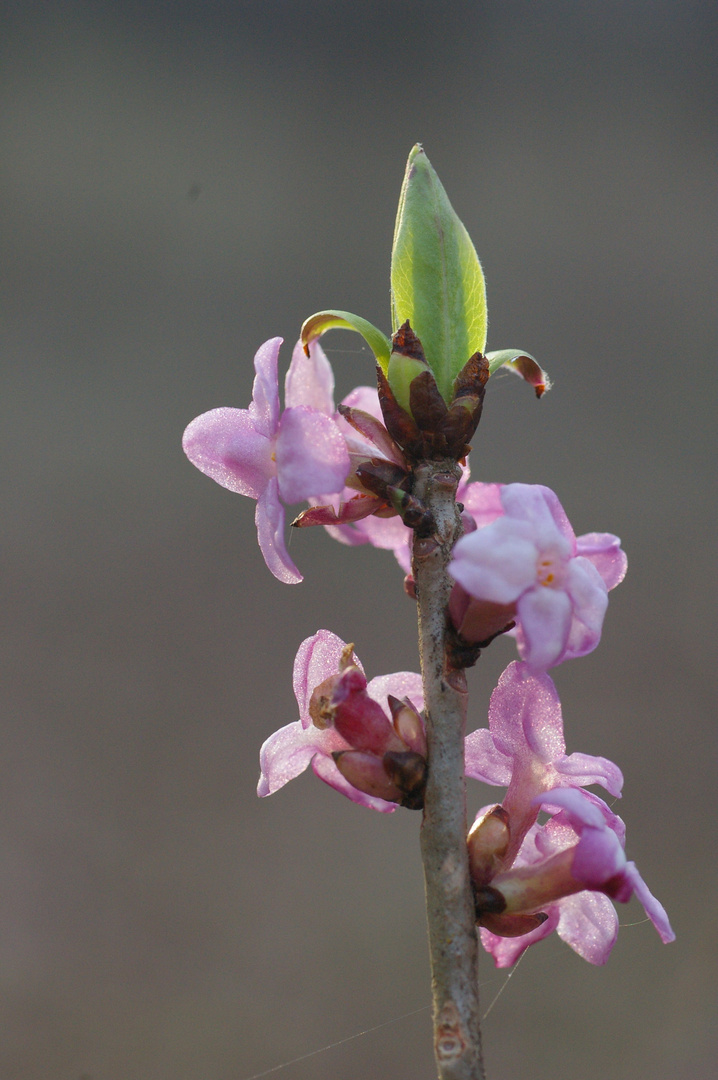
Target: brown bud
(407,771)
(488,902)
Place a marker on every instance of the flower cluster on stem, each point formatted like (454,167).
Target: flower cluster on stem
(388,467)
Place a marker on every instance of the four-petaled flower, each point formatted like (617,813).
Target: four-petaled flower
(270,456)
(568,870)
(343,719)
(530,565)
(524,749)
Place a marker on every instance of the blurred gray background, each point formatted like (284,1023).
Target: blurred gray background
(181,181)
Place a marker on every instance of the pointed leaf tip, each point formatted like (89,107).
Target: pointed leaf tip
(522,364)
(436,278)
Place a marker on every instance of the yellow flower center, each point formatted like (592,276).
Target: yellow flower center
(549,570)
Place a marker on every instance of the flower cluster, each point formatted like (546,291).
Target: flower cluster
(518,569)
(531,879)
(270,456)
(528,566)
(344,732)
(519,563)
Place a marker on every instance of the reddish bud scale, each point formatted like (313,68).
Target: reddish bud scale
(431,429)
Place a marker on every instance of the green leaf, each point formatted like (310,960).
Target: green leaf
(436,278)
(522,364)
(318,324)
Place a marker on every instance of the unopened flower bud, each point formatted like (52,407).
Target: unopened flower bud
(359,719)
(408,725)
(488,842)
(366,773)
(478,622)
(420,419)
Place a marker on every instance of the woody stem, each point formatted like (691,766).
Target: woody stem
(449,898)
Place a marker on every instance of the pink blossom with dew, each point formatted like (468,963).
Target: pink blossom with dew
(289,751)
(568,869)
(529,563)
(270,456)
(524,749)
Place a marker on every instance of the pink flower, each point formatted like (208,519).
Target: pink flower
(567,870)
(524,749)
(529,566)
(270,457)
(343,729)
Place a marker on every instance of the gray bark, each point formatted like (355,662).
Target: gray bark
(449,899)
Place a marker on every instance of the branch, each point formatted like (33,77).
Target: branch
(449,897)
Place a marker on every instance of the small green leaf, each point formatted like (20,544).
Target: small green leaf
(318,324)
(436,278)
(522,364)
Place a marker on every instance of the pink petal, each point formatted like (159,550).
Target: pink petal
(402,684)
(387,533)
(599,857)
(365,398)
(540,507)
(589,924)
(525,714)
(483,761)
(264,408)
(497,562)
(482,502)
(583,809)
(310,380)
(605,552)
(311,455)
(287,752)
(653,908)
(544,624)
(589,599)
(347,534)
(584,769)
(226,445)
(317,658)
(269,519)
